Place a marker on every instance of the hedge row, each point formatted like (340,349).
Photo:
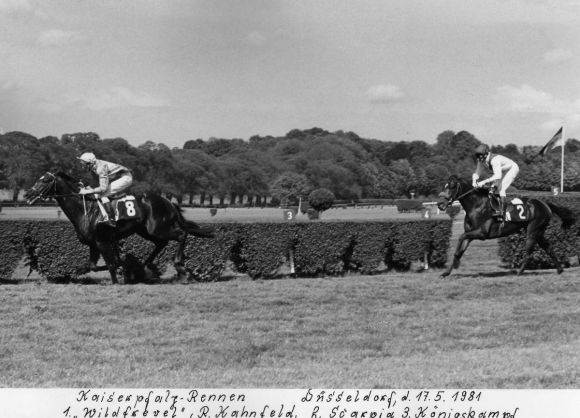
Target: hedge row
(566,244)
(261,250)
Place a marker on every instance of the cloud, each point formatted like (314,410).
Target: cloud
(10,6)
(384,93)
(20,8)
(57,37)
(257,38)
(6,86)
(558,55)
(117,97)
(527,99)
(50,107)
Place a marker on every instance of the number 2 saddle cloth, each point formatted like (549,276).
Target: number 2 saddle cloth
(517,209)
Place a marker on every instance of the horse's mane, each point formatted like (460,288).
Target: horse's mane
(65,176)
(466,186)
(71,181)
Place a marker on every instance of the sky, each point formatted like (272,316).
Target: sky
(508,71)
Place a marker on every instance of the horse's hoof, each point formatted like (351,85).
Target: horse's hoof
(84,270)
(445,274)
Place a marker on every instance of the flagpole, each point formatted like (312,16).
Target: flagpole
(562,164)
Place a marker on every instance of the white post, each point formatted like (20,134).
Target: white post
(562,164)
(291,257)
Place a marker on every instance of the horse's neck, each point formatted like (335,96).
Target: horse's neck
(76,209)
(472,201)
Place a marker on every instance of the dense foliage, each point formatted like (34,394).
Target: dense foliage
(321,199)
(288,168)
(260,250)
(566,242)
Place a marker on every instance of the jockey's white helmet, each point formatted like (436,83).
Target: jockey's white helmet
(88,158)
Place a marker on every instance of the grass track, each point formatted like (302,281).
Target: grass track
(394,330)
(482,327)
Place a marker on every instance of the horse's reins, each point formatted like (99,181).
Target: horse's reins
(68,194)
(459,191)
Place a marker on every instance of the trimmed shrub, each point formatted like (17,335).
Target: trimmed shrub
(12,247)
(374,243)
(321,248)
(453,211)
(566,243)
(321,199)
(313,214)
(409,205)
(257,249)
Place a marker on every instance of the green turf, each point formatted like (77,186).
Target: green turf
(481,327)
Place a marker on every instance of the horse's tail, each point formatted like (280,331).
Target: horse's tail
(568,217)
(191,227)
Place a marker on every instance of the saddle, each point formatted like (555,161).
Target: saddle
(124,205)
(516,209)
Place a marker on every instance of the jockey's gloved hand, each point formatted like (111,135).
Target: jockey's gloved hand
(86,190)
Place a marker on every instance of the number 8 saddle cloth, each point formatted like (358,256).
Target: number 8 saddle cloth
(126,207)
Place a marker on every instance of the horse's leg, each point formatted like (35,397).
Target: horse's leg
(160,244)
(181,238)
(94,255)
(534,234)
(462,245)
(174,235)
(108,252)
(547,247)
(531,241)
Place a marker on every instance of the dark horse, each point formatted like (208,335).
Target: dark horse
(160,221)
(481,224)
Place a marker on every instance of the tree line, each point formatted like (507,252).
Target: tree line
(262,169)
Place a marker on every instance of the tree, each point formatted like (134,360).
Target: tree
(160,173)
(289,188)
(194,144)
(321,199)
(21,160)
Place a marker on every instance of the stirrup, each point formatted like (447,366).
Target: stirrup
(109,222)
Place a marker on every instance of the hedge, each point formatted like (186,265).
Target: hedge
(566,244)
(260,250)
(409,205)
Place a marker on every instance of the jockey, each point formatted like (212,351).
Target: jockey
(504,172)
(113,179)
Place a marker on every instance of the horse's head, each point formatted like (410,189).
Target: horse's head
(50,185)
(452,190)
(43,188)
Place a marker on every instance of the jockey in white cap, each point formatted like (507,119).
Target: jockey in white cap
(113,179)
(504,171)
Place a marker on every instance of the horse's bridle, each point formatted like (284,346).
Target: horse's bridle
(41,191)
(457,195)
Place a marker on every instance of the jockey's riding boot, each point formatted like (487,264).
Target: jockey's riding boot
(110,213)
(502,207)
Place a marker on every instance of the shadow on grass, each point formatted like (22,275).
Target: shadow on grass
(509,273)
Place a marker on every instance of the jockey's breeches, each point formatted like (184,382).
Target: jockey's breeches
(117,186)
(507,179)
